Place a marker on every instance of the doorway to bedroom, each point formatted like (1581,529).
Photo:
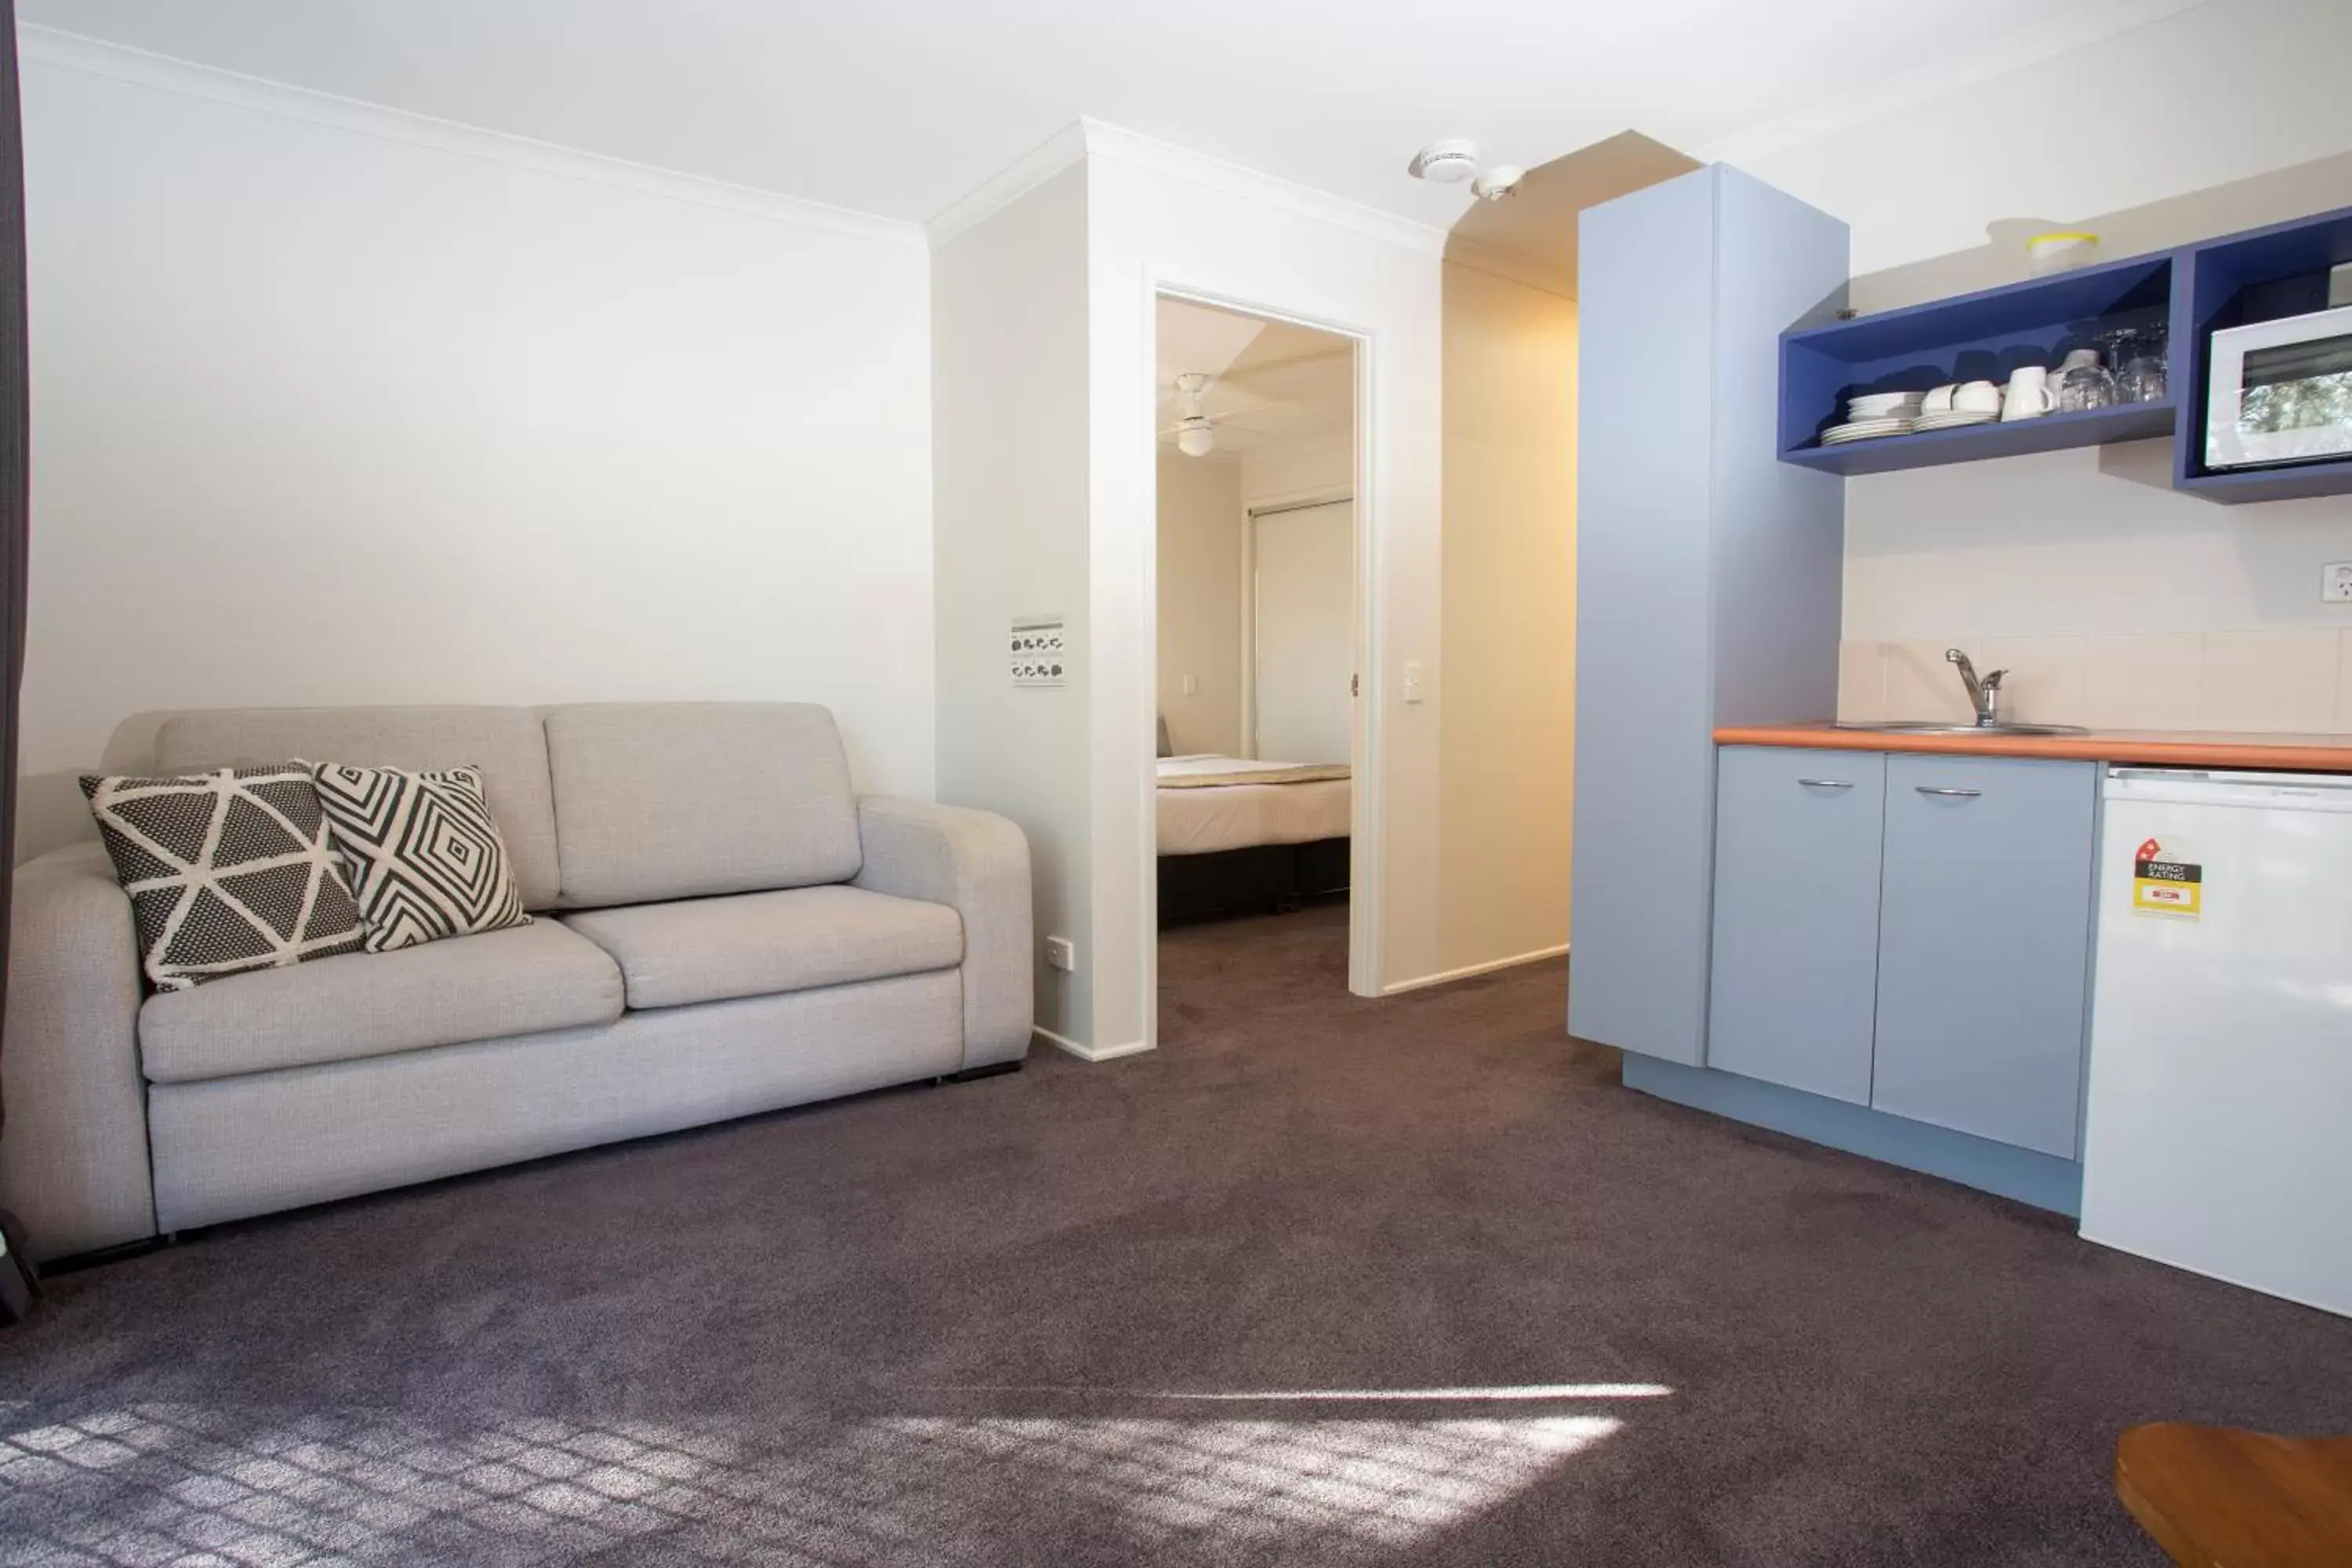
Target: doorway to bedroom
(1257,578)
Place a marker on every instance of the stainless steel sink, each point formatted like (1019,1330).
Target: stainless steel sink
(1938,727)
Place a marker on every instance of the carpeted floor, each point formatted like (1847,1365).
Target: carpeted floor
(1322,1281)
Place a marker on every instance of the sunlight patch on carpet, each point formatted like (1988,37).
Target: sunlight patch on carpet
(182,1483)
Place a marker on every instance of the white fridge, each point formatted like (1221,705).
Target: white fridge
(2218,1121)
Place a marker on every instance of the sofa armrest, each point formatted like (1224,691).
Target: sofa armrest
(978,863)
(73,1152)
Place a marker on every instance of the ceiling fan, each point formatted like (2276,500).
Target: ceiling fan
(1195,429)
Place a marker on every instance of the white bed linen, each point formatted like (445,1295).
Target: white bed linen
(1239,816)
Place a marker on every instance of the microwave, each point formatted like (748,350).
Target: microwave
(2281,391)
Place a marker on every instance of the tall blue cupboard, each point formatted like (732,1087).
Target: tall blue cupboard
(1708,569)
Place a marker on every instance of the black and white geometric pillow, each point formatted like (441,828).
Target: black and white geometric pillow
(422,853)
(227,872)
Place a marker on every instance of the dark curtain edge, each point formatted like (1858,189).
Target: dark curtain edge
(17,1286)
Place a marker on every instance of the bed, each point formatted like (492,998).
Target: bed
(1241,836)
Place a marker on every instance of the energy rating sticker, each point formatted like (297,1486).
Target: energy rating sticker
(2167,880)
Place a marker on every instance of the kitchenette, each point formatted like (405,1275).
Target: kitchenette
(2106,972)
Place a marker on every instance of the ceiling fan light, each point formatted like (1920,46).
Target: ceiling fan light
(1196,440)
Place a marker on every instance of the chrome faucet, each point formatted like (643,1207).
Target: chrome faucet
(1984,691)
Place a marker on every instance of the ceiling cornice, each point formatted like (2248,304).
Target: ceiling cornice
(2060,35)
(1084,138)
(1267,190)
(1064,149)
(96,57)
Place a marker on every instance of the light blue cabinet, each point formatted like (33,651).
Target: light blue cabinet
(1707,570)
(1794,988)
(1984,946)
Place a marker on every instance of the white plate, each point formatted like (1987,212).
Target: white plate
(1883,406)
(1957,418)
(1862,429)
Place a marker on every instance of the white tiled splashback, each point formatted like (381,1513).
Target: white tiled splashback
(2289,680)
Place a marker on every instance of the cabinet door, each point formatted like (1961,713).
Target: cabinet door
(1645,714)
(1796,917)
(1984,946)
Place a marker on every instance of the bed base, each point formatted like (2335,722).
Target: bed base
(1265,878)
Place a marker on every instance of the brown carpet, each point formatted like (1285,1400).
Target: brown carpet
(1045,1318)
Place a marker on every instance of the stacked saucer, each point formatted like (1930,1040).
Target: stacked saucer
(1953,418)
(1883,405)
(1863,430)
(1873,415)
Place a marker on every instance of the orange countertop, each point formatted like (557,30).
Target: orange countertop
(2151,748)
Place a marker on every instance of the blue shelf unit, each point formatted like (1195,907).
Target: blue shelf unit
(2260,275)
(1984,336)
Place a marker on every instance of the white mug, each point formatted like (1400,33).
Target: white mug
(2030,396)
(1977,397)
(1938,401)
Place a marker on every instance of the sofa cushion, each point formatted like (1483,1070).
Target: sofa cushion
(421,851)
(504,744)
(680,800)
(228,871)
(758,944)
(518,981)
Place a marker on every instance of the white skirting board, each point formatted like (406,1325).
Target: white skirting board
(1469,971)
(1091,1053)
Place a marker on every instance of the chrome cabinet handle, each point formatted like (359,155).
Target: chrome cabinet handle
(1955,794)
(1826,783)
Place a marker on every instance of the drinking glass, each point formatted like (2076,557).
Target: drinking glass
(2139,356)
(2086,386)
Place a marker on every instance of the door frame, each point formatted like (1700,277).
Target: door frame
(1367,847)
(1272,506)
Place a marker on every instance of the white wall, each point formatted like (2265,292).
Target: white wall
(1508,782)
(1157,220)
(331,406)
(1309,468)
(2116,600)
(1009,334)
(1201,593)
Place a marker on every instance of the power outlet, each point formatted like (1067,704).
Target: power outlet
(2336,582)
(1061,953)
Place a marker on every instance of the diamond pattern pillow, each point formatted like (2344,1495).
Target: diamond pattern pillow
(421,851)
(227,872)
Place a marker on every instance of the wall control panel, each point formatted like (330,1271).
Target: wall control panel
(1040,649)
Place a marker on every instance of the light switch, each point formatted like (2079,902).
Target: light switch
(1192,686)
(1412,682)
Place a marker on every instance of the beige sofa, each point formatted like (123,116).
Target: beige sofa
(722,927)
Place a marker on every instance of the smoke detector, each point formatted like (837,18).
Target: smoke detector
(1445,163)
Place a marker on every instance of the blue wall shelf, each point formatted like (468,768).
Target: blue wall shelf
(2260,275)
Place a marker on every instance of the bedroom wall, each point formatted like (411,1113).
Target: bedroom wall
(1010,432)
(1201,593)
(332,404)
(1295,471)
(1506,781)
(2115,600)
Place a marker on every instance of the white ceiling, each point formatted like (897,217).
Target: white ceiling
(897,108)
(1273,383)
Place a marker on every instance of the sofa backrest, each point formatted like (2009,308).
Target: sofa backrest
(680,800)
(505,743)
